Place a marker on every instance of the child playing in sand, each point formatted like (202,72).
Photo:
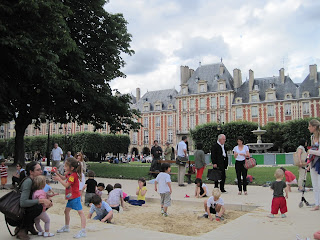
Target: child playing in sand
(91,187)
(214,205)
(115,198)
(103,210)
(290,178)
(39,183)
(3,173)
(141,193)
(201,188)
(165,189)
(48,189)
(73,173)
(100,188)
(278,201)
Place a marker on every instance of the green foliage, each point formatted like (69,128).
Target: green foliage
(275,135)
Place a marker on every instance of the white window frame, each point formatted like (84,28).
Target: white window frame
(213,103)
(192,121)
(254,111)
(202,103)
(146,122)
(239,113)
(158,121)
(222,101)
(134,137)
(158,135)
(192,104)
(287,109)
(184,105)
(146,137)
(213,117)
(270,110)
(170,136)
(170,120)
(202,118)
(305,108)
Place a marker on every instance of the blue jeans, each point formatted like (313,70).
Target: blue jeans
(100,217)
(136,202)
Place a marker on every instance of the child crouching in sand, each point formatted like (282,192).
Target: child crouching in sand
(278,201)
(165,189)
(214,205)
(103,210)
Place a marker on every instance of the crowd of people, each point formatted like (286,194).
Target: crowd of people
(36,193)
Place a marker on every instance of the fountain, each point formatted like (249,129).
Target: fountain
(259,146)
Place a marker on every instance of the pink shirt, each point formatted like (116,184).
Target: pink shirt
(40,194)
(289,176)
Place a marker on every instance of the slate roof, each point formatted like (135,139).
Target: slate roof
(264,84)
(310,86)
(167,97)
(208,73)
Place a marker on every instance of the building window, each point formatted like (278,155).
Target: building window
(170,136)
(222,102)
(54,127)
(184,123)
(254,98)
(158,107)
(221,86)
(213,117)
(254,111)
(146,137)
(305,107)
(134,137)
(270,110)
(158,121)
(239,113)
(170,121)
(158,135)
(192,106)
(192,122)
(202,118)
(270,96)
(213,103)
(202,103)
(85,127)
(288,96)
(202,88)
(146,122)
(287,109)
(305,95)
(184,105)
(222,117)
(146,108)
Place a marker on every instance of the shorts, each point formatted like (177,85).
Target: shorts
(87,198)
(212,210)
(4,180)
(116,208)
(74,204)
(292,182)
(165,199)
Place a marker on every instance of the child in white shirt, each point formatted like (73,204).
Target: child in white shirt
(214,205)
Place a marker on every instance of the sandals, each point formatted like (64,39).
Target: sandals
(239,193)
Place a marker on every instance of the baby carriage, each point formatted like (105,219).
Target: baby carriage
(303,200)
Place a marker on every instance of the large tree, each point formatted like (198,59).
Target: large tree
(57,58)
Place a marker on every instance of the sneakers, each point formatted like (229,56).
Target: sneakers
(80,234)
(63,229)
(48,234)
(271,216)
(283,216)
(165,214)
(205,215)
(162,211)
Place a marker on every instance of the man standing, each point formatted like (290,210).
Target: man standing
(183,157)
(167,152)
(156,152)
(219,160)
(68,155)
(56,155)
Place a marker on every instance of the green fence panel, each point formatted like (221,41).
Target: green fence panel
(259,158)
(280,159)
(191,157)
(233,160)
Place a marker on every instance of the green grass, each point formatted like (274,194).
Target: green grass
(135,170)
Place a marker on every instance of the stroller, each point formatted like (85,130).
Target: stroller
(303,200)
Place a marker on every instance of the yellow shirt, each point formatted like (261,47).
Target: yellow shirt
(140,197)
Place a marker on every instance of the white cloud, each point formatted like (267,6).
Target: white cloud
(262,35)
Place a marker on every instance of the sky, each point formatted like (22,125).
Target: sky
(262,35)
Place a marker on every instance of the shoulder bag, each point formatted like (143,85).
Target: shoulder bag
(250,162)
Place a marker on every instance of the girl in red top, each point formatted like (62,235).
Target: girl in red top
(290,178)
(73,173)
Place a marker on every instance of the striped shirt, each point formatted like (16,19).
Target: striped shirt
(3,171)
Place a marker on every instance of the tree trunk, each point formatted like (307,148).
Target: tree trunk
(19,151)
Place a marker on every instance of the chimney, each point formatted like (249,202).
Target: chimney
(281,74)
(184,74)
(137,94)
(221,69)
(237,78)
(251,79)
(313,72)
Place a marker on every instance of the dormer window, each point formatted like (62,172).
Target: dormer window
(305,94)
(221,85)
(254,98)
(256,88)
(158,106)
(202,86)
(185,90)
(270,96)
(170,106)
(146,107)
(288,96)
(238,100)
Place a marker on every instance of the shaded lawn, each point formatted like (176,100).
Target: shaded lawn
(135,170)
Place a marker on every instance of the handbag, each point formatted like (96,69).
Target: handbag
(250,163)
(181,161)
(296,161)
(214,174)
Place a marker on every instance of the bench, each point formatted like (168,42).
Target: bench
(188,174)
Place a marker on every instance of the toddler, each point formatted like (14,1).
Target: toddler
(278,201)
(103,210)
(165,189)
(141,193)
(290,178)
(115,198)
(201,188)
(100,188)
(38,184)
(214,205)
(3,173)
(91,186)
(48,189)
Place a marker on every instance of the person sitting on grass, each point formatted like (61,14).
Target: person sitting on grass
(214,205)
(115,198)
(100,188)
(103,210)
(201,188)
(91,187)
(278,201)
(141,193)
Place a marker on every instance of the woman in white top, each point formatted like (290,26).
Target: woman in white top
(240,153)
(302,162)
(314,128)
